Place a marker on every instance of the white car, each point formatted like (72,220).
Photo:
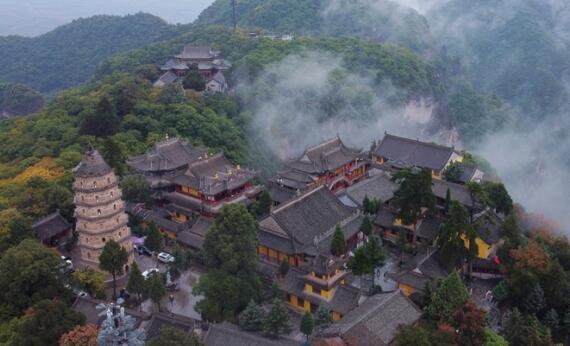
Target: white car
(165,257)
(147,273)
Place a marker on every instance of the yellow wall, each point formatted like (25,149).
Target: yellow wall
(181,218)
(307,306)
(336,316)
(294,300)
(483,249)
(308,288)
(190,191)
(325,294)
(407,290)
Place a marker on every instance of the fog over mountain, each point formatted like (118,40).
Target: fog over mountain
(35,17)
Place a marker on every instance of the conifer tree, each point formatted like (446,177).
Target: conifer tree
(113,259)
(366,226)
(535,301)
(447,201)
(252,317)
(551,320)
(307,324)
(156,289)
(277,320)
(153,239)
(448,297)
(283,267)
(136,283)
(323,317)
(337,243)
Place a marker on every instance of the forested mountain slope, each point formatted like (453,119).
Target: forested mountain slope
(17,99)
(68,55)
(381,21)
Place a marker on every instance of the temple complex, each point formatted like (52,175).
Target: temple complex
(204,59)
(330,163)
(99,209)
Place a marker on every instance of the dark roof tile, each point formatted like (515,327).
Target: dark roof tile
(414,152)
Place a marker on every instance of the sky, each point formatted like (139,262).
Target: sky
(35,17)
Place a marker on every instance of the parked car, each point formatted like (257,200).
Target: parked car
(165,257)
(147,273)
(143,250)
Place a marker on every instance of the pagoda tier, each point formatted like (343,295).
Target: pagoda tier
(99,209)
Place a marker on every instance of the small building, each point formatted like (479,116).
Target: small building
(399,152)
(376,322)
(418,271)
(489,235)
(320,282)
(458,193)
(165,157)
(53,230)
(167,78)
(217,84)
(390,227)
(226,334)
(303,227)
(330,163)
(208,184)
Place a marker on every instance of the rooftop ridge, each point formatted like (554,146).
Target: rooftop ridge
(432,144)
(365,315)
(298,199)
(48,217)
(327,141)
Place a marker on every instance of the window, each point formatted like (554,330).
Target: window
(97,199)
(119,234)
(98,211)
(87,240)
(117,220)
(81,184)
(109,180)
(94,184)
(104,240)
(89,255)
(82,198)
(114,207)
(112,193)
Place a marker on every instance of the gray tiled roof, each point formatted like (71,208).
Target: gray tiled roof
(219,77)
(349,229)
(196,52)
(345,299)
(173,65)
(168,155)
(50,226)
(375,322)
(276,242)
(293,179)
(411,278)
(385,217)
(310,215)
(379,186)
(92,165)
(429,228)
(226,334)
(488,226)
(167,78)
(327,156)
(414,152)
(458,192)
(280,194)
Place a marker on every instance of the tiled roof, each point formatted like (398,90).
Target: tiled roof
(226,334)
(411,278)
(379,186)
(167,155)
(429,228)
(50,226)
(173,65)
(161,320)
(279,193)
(488,226)
(345,299)
(376,321)
(167,78)
(349,228)
(196,52)
(458,192)
(385,217)
(327,156)
(310,215)
(92,165)
(414,152)
(220,78)
(276,242)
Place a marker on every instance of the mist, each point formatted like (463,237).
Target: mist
(35,17)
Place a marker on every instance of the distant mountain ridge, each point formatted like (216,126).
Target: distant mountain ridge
(68,55)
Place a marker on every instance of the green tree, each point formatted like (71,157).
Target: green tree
(172,94)
(251,319)
(113,259)
(447,201)
(323,317)
(469,321)
(18,228)
(453,172)
(30,273)
(103,122)
(493,339)
(337,243)
(477,195)
(59,197)
(263,205)
(514,327)
(114,155)
(136,188)
(367,258)
(156,289)
(170,336)
(499,197)
(307,324)
(91,281)
(450,295)
(136,284)
(454,231)
(535,301)
(412,335)
(153,240)
(552,320)
(413,195)
(277,320)
(501,291)
(283,267)
(366,226)
(230,255)
(194,80)
(45,323)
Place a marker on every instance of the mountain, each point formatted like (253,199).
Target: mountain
(17,99)
(68,55)
(377,20)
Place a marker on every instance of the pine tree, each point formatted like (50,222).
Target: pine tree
(153,239)
(551,320)
(535,301)
(307,324)
(447,201)
(323,317)
(113,259)
(156,289)
(277,320)
(251,318)
(136,283)
(366,204)
(337,244)
(366,226)
(514,327)
(448,297)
